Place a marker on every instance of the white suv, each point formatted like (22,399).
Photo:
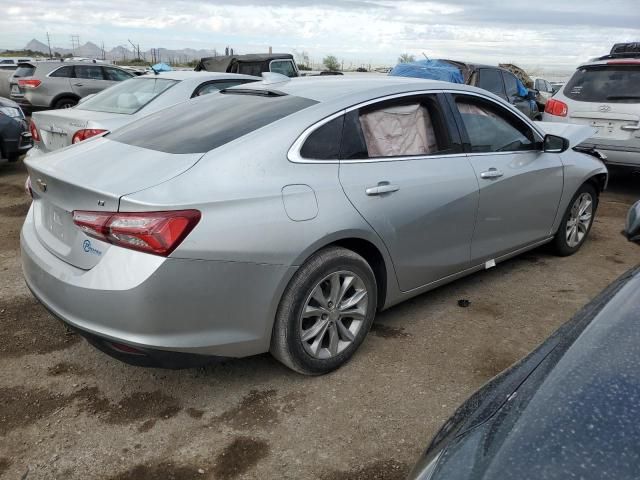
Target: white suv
(605,94)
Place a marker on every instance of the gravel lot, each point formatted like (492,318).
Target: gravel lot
(68,411)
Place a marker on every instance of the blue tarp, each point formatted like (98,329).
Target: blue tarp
(429,69)
(162,67)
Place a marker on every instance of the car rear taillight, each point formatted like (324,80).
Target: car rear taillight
(29,83)
(81,135)
(151,232)
(556,107)
(34,131)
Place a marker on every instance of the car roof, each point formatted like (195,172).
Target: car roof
(329,88)
(191,74)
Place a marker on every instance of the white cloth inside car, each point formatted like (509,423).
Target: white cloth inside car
(399,131)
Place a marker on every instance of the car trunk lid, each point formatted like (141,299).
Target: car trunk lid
(92,176)
(57,127)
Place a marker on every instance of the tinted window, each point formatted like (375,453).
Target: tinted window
(250,68)
(62,72)
(91,72)
(324,143)
(491,80)
(24,70)
(493,129)
(284,67)
(208,122)
(511,85)
(617,84)
(411,126)
(115,74)
(127,97)
(7,61)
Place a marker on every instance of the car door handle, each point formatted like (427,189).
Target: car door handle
(78,84)
(382,187)
(491,173)
(630,127)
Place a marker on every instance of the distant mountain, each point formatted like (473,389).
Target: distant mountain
(91,50)
(37,46)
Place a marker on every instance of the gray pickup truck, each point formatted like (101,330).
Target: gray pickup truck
(252,64)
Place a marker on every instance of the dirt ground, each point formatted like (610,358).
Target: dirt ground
(67,411)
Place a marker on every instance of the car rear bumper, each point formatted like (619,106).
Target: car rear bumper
(616,155)
(153,303)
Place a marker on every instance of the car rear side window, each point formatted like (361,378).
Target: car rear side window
(62,72)
(493,129)
(606,83)
(491,80)
(204,123)
(324,142)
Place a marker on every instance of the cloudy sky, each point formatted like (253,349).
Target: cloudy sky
(536,34)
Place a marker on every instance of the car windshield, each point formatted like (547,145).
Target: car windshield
(127,97)
(606,83)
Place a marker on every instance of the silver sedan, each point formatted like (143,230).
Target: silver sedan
(287,219)
(123,104)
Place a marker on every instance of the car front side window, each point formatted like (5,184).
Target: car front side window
(490,79)
(283,67)
(490,128)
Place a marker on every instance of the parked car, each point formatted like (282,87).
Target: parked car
(568,410)
(281,216)
(15,138)
(556,86)
(122,104)
(496,80)
(543,91)
(604,94)
(252,64)
(54,84)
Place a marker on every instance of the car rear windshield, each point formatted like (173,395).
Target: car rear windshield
(127,97)
(606,83)
(205,123)
(24,70)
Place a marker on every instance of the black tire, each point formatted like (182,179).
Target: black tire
(560,245)
(65,102)
(286,339)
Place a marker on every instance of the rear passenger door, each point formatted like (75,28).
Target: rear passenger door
(520,185)
(88,79)
(402,168)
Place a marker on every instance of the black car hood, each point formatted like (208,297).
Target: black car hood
(577,415)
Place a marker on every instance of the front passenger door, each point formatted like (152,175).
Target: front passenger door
(520,185)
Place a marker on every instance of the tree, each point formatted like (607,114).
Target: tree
(406,58)
(331,63)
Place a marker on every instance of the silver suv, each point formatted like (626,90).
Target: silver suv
(54,84)
(604,94)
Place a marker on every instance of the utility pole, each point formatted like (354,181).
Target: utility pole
(49,44)
(104,57)
(75,43)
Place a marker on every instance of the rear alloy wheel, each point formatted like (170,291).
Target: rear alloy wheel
(325,313)
(65,103)
(577,221)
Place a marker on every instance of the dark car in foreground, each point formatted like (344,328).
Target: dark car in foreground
(568,410)
(15,138)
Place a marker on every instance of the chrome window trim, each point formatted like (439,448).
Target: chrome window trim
(294,156)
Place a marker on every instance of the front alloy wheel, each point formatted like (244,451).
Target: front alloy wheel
(579,219)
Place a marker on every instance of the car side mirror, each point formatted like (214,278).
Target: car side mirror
(632,227)
(555,144)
